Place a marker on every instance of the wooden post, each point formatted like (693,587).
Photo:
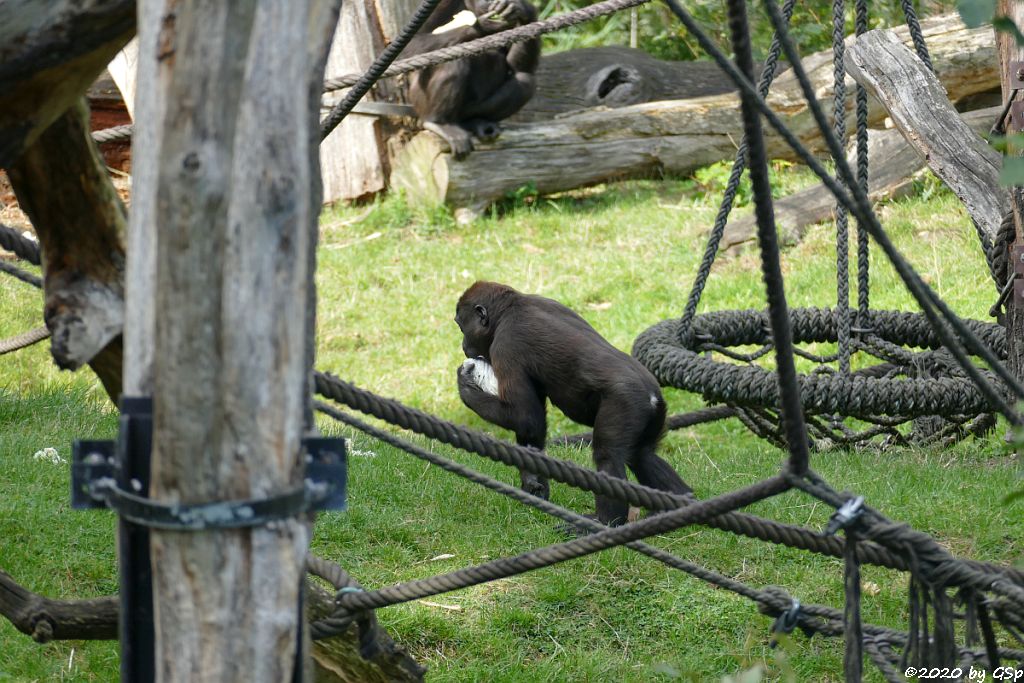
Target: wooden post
(219,283)
(355,157)
(1009,51)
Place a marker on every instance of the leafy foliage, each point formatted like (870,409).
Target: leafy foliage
(661,34)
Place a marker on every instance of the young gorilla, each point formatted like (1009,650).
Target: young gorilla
(540,349)
(467,97)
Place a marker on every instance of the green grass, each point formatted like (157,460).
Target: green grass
(624,256)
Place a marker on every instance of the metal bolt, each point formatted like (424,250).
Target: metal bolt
(1020,74)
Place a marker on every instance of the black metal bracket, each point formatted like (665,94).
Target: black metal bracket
(94,484)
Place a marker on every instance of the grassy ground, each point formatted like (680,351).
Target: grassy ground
(624,257)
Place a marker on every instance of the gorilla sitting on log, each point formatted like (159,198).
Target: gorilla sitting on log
(466,98)
(538,349)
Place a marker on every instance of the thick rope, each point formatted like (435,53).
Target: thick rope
(23,340)
(13,241)
(24,276)
(771,261)
(561,552)
(863,255)
(842,222)
(768,73)
(494,41)
(931,305)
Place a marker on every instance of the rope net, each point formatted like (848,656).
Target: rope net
(955,605)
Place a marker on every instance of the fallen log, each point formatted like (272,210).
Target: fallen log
(893,166)
(921,111)
(666,137)
(352,656)
(615,76)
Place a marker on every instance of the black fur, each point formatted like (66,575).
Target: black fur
(542,350)
(468,97)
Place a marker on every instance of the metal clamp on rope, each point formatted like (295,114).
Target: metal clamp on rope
(232,514)
(847,513)
(94,475)
(785,622)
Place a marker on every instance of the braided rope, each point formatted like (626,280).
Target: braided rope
(916,34)
(842,222)
(495,41)
(115,134)
(768,73)
(23,340)
(24,276)
(937,311)
(561,552)
(863,254)
(22,247)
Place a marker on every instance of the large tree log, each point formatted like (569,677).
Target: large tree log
(918,105)
(675,136)
(49,54)
(893,165)
(63,186)
(615,76)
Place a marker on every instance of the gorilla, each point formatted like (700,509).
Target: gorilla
(466,98)
(538,349)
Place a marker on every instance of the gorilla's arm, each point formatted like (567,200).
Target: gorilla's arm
(520,409)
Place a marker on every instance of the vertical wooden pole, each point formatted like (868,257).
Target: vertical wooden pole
(1009,51)
(220,284)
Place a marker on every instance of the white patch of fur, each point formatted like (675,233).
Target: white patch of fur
(482,374)
(654,400)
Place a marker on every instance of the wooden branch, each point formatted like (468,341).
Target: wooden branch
(49,54)
(44,619)
(674,137)
(893,165)
(351,656)
(920,108)
(63,186)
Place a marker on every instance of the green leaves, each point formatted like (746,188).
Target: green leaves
(1005,25)
(975,13)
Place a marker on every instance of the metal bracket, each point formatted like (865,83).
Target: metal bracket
(847,513)
(94,485)
(1016,121)
(1016,74)
(90,461)
(1017,259)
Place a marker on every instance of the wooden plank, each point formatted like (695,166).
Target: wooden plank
(920,109)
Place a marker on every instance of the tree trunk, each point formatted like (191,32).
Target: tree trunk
(894,164)
(1009,51)
(355,157)
(226,170)
(63,187)
(675,136)
(921,110)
